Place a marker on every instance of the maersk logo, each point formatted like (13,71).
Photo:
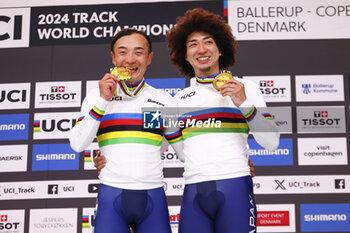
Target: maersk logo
(14,127)
(283,155)
(325,217)
(54,157)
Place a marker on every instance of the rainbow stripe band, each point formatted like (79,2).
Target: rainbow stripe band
(250,116)
(267,116)
(79,120)
(36,127)
(174,137)
(205,81)
(132,89)
(127,128)
(87,156)
(213,120)
(96,113)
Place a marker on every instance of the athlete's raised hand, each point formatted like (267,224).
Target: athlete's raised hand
(234,89)
(108,85)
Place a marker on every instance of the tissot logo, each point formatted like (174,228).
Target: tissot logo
(339,183)
(274,88)
(52,189)
(14,27)
(320,113)
(267,88)
(11,221)
(266,83)
(8,225)
(55,89)
(330,119)
(57,94)
(319,119)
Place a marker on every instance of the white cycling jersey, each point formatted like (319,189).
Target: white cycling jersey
(132,151)
(216,147)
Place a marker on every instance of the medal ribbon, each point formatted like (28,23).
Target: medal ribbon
(206,81)
(132,89)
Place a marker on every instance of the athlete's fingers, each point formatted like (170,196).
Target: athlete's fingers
(99,161)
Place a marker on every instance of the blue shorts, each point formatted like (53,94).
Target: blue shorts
(118,210)
(222,206)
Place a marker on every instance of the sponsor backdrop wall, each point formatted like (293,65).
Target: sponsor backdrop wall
(53,52)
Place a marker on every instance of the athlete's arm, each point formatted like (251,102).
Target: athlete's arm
(250,101)
(92,111)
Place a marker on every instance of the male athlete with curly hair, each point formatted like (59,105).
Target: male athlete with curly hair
(218,195)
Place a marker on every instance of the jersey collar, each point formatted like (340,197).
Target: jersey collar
(132,89)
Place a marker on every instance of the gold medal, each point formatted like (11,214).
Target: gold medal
(122,73)
(221,79)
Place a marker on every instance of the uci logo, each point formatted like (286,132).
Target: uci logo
(63,125)
(17,27)
(13,96)
(14,27)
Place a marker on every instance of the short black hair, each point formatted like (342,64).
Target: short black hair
(130,31)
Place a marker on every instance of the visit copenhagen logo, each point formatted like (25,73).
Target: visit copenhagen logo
(154,120)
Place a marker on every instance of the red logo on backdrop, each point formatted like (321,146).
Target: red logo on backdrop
(269,83)
(273,218)
(61,88)
(3,218)
(324,113)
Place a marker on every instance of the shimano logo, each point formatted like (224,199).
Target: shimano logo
(267,152)
(13,127)
(56,156)
(325,217)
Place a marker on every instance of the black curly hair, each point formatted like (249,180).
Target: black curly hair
(200,20)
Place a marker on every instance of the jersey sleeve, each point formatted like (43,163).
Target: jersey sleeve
(260,121)
(173,133)
(85,130)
